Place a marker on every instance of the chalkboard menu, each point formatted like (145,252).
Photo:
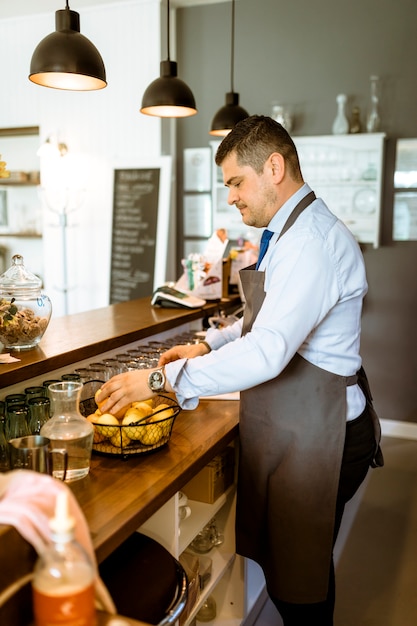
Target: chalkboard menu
(134,235)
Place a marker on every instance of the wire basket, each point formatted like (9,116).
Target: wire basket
(124,440)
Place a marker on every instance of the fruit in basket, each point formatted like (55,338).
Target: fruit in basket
(97,397)
(119,414)
(148,402)
(140,410)
(162,411)
(120,439)
(107,425)
(97,437)
(154,433)
(155,429)
(133,432)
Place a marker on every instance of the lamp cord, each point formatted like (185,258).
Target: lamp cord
(168,31)
(232,56)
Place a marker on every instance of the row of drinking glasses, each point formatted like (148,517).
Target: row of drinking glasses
(23,414)
(143,356)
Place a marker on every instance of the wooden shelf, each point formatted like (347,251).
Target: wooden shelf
(21,179)
(22,235)
(5,182)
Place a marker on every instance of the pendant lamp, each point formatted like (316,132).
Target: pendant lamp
(168,95)
(230,114)
(66,59)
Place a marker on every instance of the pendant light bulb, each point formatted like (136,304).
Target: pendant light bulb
(231,113)
(168,95)
(66,59)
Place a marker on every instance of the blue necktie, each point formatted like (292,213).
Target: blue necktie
(266,236)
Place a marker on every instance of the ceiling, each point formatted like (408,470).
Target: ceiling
(15,8)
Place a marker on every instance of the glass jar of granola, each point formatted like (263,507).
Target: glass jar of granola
(24,310)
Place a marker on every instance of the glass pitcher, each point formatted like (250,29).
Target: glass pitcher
(68,429)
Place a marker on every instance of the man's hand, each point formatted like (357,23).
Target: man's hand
(123,389)
(183,352)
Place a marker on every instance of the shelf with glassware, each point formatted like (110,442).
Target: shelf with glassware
(20,207)
(347,172)
(207,536)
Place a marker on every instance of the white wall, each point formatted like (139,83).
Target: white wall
(102,130)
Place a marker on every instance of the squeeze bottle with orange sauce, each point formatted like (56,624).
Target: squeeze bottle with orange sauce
(63,579)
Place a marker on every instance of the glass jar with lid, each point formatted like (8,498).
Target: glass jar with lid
(24,310)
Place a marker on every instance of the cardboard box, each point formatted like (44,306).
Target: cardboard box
(214,479)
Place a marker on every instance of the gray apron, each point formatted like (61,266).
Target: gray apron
(292,431)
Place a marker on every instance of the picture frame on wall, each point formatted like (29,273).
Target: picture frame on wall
(197,215)
(197,169)
(4,217)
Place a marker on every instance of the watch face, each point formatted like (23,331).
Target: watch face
(156,380)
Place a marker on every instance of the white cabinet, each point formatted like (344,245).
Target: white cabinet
(347,172)
(235,583)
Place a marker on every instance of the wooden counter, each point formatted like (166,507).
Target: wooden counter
(120,495)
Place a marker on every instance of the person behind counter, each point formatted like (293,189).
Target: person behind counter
(307,433)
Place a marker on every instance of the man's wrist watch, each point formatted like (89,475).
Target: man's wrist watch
(156,380)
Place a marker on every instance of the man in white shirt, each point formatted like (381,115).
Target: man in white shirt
(307,432)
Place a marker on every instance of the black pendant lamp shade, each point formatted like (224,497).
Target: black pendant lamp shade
(168,95)
(66,59)
(228,116)
(231,113)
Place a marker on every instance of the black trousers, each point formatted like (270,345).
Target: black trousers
(358,453)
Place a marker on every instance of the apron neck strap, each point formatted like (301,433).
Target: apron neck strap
(303,204)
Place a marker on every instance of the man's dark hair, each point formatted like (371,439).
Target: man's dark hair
(254,139)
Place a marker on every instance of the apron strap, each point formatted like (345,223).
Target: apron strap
(351,380)
(303,204)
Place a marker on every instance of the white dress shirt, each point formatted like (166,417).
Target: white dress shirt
(314,284)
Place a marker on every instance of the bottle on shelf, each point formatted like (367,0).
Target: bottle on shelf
(341,122)
(373,121)
(68,429)
(64,576)
(355,121)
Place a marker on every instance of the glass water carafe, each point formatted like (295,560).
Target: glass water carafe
(68,429)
